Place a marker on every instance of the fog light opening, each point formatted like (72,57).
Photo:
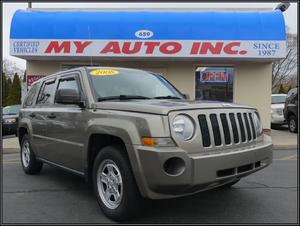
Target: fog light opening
(174,166)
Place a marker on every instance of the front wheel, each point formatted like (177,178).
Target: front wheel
(293,126)
(114,184)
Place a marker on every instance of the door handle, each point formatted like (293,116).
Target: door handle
(32,115)
(51,116)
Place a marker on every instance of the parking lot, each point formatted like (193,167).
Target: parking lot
(268,196)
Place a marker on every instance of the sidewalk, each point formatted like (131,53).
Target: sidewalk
(282,139)
(10,145)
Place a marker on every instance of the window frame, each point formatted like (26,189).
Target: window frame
(42,87)
(37,85)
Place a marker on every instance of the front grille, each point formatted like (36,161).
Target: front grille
(229,128)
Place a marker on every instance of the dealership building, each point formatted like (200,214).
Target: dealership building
(209,55)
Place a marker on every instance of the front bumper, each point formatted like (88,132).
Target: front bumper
(277,119)
(9,128)
(202,171)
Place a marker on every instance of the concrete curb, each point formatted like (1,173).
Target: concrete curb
(285,147)
(10,150)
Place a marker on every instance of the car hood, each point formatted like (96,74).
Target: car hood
(275,106)
(163,107)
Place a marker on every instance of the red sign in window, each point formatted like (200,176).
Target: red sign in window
(32,78)
(214,76)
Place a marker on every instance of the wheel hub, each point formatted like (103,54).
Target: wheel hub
(25,154)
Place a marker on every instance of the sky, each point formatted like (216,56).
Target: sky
(9,9)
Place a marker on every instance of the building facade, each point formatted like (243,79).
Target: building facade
(209,55)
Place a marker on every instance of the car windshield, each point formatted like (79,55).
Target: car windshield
(278,99)
(130,84)
(11,110)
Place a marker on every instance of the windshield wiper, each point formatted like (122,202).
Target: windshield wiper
(166,97)
(122,97)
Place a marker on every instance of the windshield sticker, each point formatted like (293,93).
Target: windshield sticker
(104,72)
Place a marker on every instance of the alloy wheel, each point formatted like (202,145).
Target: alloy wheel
(110,184)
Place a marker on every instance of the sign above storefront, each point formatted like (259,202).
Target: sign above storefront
(122,34)
(157,48)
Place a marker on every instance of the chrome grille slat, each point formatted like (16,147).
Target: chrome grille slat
(221,129)
(225,126)
(246,120)
(204,130)
(242,127)
(234,128)
(216,129)
(252,126)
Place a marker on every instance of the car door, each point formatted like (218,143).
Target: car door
(38,117)
(65,127)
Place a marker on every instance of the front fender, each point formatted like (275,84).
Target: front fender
(129,133)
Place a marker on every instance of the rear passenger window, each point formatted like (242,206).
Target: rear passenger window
(47,93)
(30,96)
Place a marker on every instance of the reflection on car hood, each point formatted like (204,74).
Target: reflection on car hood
(163,107)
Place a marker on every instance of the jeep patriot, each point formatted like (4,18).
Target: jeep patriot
(133,135)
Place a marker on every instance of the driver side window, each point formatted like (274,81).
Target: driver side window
(68,83)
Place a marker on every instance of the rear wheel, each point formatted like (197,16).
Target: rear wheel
(293,126)
(114,184)
(29,162)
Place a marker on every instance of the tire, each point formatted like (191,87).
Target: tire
(229,185)
(29,162)
(293,125)
(113,162)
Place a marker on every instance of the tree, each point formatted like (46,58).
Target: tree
(285,70)
(15,92)
(9,100)
(10,68)
(5,89)
(281,89)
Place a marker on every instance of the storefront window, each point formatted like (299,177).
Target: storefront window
(214,83)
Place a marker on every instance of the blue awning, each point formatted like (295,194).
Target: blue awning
(79,34)
(167,25)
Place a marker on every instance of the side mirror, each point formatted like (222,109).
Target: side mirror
(186,96)
(68,96)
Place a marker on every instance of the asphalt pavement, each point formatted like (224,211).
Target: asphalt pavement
(54,196)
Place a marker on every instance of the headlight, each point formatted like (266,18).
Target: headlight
(11,120)
(257,123)
(277,111)
(183,127)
